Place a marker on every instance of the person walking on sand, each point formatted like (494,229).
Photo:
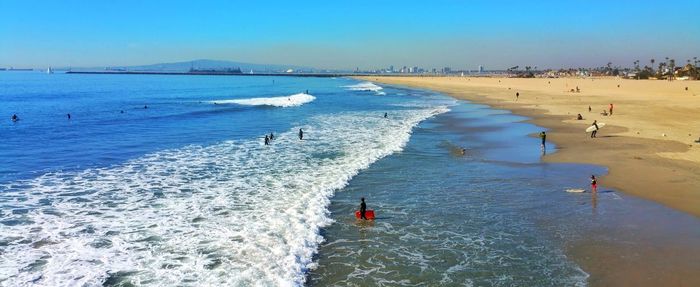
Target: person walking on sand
(589,109)
(363,208)
(301,134)
(595,131)
(517,95)
(611,109)
(594,184)
(543,136)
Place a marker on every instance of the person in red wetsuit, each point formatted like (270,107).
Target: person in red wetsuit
(363,208)
(594,184)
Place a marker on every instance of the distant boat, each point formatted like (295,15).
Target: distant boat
(49,71)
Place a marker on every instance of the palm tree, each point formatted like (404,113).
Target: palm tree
(652,65)
(695,59)
(672,65)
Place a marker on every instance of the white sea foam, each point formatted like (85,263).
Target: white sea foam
(288,101)
(229,214)
(365,86)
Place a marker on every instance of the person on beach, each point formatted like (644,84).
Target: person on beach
(594,184)
(611,109)
(543,136)
(579,117)
(272,136)
(517,96)
(589,109)
(15,118)
(267,140)
(363,208)
(595,131)
(301,134)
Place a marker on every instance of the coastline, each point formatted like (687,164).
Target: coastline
(640,162)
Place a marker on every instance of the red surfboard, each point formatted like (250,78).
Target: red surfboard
(369,214)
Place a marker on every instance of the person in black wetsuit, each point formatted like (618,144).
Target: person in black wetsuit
(593,134)
(363,209)
(68,116)
(301,134)
(267,140)
(386,115)
(272,136)
(543,136)
(15,118)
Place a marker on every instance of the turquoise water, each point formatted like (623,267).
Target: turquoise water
(184,192)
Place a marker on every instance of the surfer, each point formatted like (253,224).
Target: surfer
(68,115)
(463,151)
(595,131)
(386,115)
(145,107)
(301,134)
(272,136)
(267,140)
(363,208)
(15,118)
(543,136)
(594,184)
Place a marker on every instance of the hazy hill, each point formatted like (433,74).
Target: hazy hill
(205,64)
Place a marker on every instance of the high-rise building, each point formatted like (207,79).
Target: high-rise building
(446,70)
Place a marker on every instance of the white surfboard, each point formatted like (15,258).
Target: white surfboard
(575,190)
(592,128)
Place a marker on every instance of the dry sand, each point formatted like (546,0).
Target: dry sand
(647,144)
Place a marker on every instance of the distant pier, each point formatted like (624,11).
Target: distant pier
(318,75)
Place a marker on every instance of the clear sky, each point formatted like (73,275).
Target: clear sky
(348,34)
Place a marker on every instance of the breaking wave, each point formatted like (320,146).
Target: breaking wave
(288,101)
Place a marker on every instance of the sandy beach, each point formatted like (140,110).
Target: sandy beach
(648,142)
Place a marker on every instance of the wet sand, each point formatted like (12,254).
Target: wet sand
(641,243)
(641,160)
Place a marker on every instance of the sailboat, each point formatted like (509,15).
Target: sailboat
(49,71)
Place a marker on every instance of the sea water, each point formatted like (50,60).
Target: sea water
(165,180)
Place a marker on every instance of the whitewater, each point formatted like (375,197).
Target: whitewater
(288,101)
(227,214)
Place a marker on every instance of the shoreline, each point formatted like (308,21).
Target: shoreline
(664,171)
(643,244)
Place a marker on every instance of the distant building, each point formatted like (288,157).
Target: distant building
(446,70)
(481,69)
(391,68)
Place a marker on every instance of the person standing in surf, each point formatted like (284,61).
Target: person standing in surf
(267,140)
(594,184)
(543,136)
(272,136)
(301,134)
(363,208)
(595,131)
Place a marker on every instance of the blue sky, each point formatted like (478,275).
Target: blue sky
(348,34)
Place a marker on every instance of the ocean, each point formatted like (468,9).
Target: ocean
(166,180)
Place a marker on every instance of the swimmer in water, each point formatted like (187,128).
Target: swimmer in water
(15,118)
(267,140)
(301,134)
(386,115)
(272,136)
(68,115)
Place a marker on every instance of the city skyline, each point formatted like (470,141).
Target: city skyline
(346,36)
